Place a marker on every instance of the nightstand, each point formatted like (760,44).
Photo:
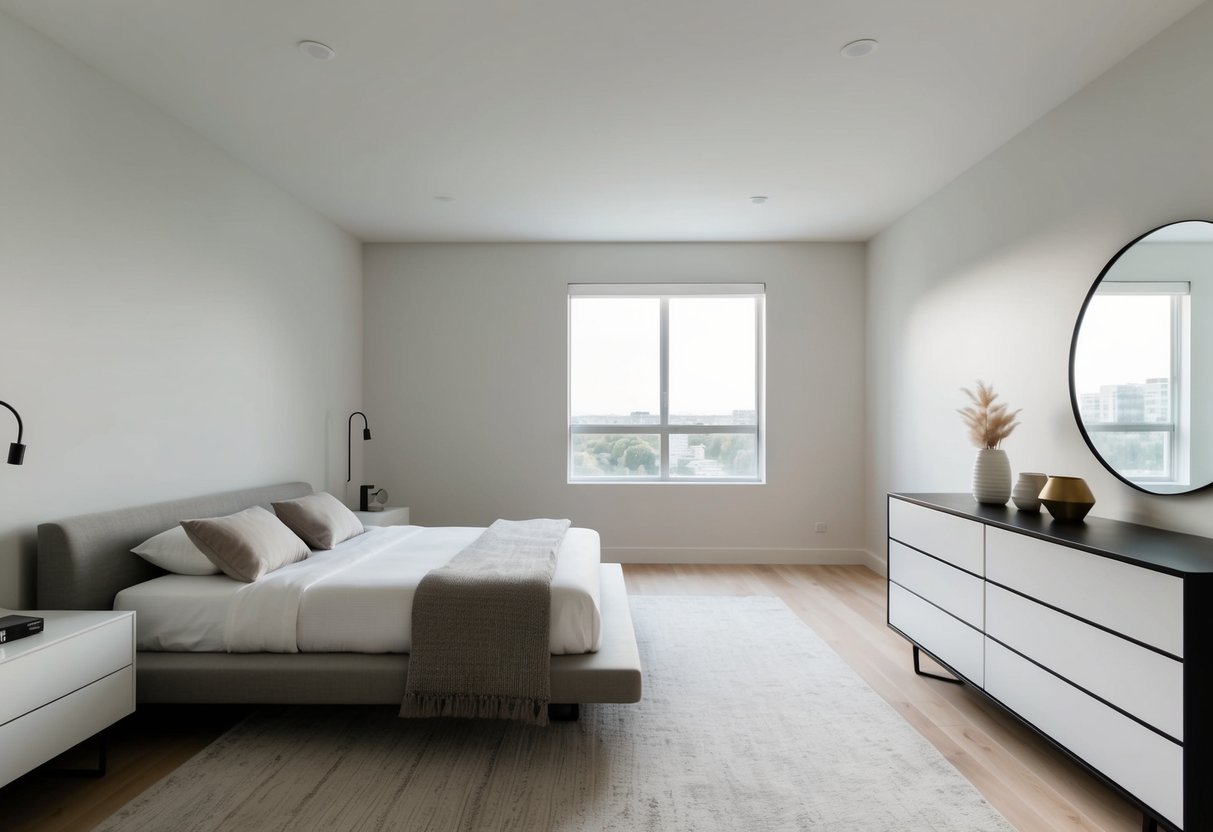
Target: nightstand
(390,516)
(63,685)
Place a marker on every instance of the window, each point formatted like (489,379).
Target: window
(666,383)
(1130,365)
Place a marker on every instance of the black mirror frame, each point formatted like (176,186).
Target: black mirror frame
(1082,313)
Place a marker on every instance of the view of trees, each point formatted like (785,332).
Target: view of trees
(734,452)
(629,455)
(1132,453)
(638,455)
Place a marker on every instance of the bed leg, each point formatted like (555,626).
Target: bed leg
(564,713)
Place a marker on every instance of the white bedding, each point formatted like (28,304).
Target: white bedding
(356,598)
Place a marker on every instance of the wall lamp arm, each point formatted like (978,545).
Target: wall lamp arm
(349,446)
(16,450)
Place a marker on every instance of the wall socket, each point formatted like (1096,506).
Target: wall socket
(821,528)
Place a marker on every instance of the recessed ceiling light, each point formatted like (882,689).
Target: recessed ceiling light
(859,48)
(758,200)
(317,50)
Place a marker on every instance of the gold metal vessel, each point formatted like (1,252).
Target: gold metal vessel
(1067,498)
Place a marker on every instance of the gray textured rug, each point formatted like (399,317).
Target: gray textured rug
(749,722)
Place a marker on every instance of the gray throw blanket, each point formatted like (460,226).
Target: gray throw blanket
(481,627)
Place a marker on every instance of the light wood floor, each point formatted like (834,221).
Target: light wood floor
(1036,788)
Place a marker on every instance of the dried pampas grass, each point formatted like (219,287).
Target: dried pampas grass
(988,423)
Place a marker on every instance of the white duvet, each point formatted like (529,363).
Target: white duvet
(356,598)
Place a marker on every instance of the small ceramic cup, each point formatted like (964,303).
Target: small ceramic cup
(1026,494)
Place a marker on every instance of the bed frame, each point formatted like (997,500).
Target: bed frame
(83,562)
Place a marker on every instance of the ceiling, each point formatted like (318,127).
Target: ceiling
(591,120)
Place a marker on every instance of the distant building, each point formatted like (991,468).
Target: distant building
(1149,402)
(645,417)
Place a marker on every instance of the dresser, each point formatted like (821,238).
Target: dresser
(1097,635)
(63,685)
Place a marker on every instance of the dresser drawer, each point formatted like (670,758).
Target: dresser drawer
(946,536)
(1141,761)
(52,729)
(945,586)
(939,633)
(1139,603)
(43,674)
(1146,684)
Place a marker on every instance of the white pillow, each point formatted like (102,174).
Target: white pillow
(174,551)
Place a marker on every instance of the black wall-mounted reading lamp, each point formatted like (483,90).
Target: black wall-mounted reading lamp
(349,445)
(16,451)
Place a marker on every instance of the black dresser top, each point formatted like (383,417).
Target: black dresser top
(1164,551)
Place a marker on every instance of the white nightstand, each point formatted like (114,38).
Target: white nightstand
(63,685)
(390,516)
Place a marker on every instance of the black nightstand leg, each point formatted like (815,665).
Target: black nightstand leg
(102,760)
(922,672)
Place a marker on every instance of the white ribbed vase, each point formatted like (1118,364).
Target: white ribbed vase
(992,477)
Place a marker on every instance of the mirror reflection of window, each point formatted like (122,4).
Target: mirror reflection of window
(1132,359)
(1141,361)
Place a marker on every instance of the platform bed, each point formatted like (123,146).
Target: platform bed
(84,561)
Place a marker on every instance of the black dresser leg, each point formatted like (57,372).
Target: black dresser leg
(922,672)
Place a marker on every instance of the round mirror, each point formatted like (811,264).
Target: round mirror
(1141,362)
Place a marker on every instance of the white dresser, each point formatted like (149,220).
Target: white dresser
(1096,634)
(63,685)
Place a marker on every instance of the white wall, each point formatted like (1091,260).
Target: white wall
(985,279)
(170,323)
(466,393)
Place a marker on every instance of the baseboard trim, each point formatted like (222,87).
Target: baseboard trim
(630,554)
(876,564)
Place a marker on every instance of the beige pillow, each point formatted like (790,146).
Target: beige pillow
(248,544)
(320,519)
(172,550)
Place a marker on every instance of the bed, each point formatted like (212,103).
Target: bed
(85,562)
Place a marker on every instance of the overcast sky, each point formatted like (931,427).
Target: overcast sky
(1125,339)
(615,355)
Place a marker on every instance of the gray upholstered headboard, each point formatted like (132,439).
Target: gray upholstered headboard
(83,562)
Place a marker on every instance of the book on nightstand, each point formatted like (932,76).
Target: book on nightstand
(13,627)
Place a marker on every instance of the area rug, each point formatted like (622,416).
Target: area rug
(749,722)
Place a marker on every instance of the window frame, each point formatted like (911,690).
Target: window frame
(664,429)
